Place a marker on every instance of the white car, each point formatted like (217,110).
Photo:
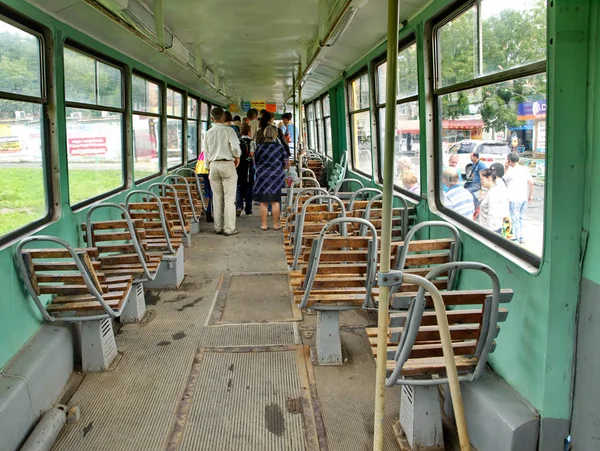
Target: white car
(489,152)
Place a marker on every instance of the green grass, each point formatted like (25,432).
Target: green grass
(22,197)
(87,183)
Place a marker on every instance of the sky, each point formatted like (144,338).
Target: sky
(494,7)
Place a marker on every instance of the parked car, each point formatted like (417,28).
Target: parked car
(489,152)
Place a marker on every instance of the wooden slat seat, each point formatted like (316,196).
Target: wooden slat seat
(470,312)
(54,272)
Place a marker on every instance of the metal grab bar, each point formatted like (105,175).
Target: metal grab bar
(358,192)
(198,185)
(164,187)
(299,223)
(413,321)
(402,252)
(189,192)
(315,254)
(367,213)
(110,313)
(130,227)
(161,213)
(339,184)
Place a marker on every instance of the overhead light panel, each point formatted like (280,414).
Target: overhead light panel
(340,26)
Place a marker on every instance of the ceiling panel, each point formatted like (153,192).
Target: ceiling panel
(255,46)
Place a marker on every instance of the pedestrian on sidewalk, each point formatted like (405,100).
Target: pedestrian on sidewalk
(222,154)
(520,191)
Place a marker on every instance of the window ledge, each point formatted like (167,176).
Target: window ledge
(507,254)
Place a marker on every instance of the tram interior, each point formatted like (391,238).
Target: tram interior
(128,324)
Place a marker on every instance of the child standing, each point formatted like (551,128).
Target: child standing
(245,171)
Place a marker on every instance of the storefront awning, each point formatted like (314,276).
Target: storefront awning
(462,124)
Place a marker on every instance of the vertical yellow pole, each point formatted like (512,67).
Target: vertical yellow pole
(386,225)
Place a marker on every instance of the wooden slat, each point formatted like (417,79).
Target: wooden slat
(30,267)
(433,365)
(119,259)
(465,297)
(57,252)
(121,248)
(430,349)
(427,259)
(470,316)
(431,333)
(87,262)
(60,266)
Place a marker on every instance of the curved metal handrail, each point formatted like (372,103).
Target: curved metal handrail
(315,253)
(359,192)
(306,190)
(198,184)
(189,192)
(165,186)
(130,226)
(402,251)
(161,213)
(312,173)
(110,313)
(339,184)
(367,213)
(299,223)
(413,321)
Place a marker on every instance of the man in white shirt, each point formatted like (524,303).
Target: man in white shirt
(221,157)
(520,191)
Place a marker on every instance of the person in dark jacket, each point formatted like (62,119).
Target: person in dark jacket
(245,172)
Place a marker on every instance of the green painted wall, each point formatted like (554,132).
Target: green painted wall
(19,318)
(535,347)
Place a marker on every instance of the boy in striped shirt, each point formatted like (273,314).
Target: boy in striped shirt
(457,198)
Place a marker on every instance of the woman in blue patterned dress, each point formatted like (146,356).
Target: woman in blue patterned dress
(269,161)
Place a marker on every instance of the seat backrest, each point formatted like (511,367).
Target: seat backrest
(336,253)
(472,331)
(118,242)
(168,194)
(301,219)
(60,271)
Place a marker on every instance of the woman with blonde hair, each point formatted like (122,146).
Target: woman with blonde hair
(270,161)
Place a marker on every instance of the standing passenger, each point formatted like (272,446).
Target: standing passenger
(245,172)
(270,160)
(252,115)
(237,121)
(288,129)
(520,191)
(222,147)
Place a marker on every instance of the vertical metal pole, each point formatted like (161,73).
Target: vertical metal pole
(386,223)
(295,116)
(301,138)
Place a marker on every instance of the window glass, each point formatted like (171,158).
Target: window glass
(23,197)
(192,140)
(328,142)
(318,109)
(146,146)
(94,134)
(174,103)
(407,75)
(321,136)
(513,34)
(204,112)
(174,142)
(359,93)
(192,112)
(406,145)
(311,112)
(456,49)
(326,106)
(20,68)
(94,152)
(312,135)
(145,95)
(90,81)
(361,141)
(502,118)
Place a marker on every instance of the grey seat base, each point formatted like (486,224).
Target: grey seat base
(98,345)
(135,304)
(498,419)
(170,272)
(420,417)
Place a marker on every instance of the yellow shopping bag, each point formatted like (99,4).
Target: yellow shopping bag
(200,168)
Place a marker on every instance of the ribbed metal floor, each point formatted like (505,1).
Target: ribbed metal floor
(347,399)
(240,403)
(183,385)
